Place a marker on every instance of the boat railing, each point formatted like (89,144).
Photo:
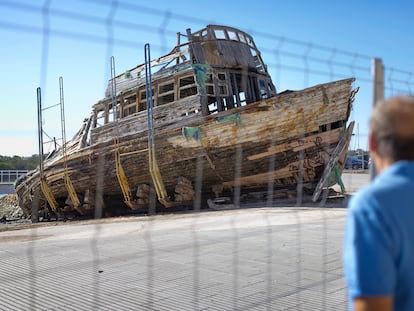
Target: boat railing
(10,176)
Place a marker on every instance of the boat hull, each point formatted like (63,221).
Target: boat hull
(278,143)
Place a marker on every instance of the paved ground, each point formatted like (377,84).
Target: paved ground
(248,259)
(284,258)
(354,180)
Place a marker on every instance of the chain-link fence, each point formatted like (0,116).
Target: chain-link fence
(268,253)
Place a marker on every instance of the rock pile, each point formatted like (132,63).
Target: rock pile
(9,207)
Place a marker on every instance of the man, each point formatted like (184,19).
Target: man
(379,237)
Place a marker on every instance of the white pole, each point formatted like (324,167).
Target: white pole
(377,73)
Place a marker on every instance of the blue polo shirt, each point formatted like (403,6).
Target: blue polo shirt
(379,238)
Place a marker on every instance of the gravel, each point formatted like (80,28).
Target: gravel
(9,208)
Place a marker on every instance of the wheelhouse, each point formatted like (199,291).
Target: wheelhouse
(220,65)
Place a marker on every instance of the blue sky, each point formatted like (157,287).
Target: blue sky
(75,39)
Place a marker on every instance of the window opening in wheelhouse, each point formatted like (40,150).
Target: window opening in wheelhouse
(222,84)
(113,112)
(242,38)
(243,100)
(220,34)
(233,35)
(142,103)
(263,89)
(240,87)
(187,86)
(217,89)
(165,93)
(99,118)
(129,106)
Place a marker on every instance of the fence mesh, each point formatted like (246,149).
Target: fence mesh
(265,255)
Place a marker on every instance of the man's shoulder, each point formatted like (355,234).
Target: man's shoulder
(383,191)
(403,170)
(372,195)
(364,199)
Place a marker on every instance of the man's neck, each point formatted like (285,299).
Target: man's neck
(381,164)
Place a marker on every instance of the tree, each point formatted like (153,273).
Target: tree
(19,163)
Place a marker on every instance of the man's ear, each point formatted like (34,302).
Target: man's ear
(372,142)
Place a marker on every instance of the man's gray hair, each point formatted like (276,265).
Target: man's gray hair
(392,125)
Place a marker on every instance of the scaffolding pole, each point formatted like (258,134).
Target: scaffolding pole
(153,166)
(43,182)
(68,182)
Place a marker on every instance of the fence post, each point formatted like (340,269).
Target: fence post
(377,73)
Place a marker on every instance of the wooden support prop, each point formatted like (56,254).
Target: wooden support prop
(123,182)
(72,194)
(48,195)
(340,148)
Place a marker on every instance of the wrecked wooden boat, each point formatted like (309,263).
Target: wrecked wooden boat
(204,121)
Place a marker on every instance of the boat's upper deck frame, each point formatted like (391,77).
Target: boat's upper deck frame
(220,64)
